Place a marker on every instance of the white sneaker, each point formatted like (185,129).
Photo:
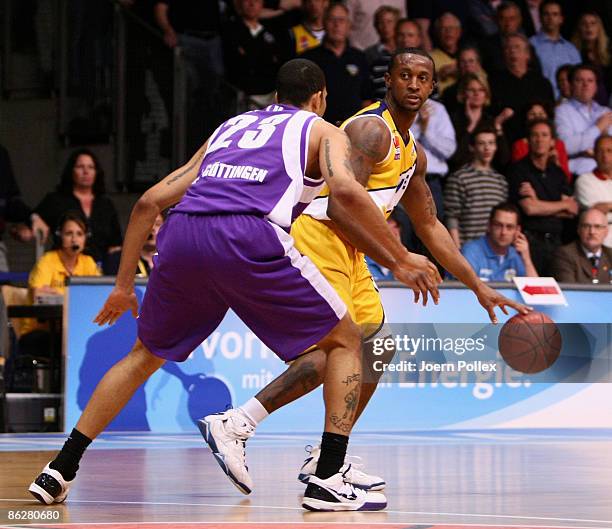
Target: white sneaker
(336,493)
(226,433)
(50,486)
(358,478)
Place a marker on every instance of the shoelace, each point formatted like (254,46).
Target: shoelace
(241,430)
(347,487)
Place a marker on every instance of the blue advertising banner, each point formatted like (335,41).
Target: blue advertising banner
(232,365)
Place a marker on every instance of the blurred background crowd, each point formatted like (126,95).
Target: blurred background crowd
(516,133)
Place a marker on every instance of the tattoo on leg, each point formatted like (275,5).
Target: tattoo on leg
(351,400)
(303,375)
(352,378)
(340,424)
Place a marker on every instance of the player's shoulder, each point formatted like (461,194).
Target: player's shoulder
(370,133)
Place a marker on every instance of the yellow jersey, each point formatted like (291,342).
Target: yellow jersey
(304,39)
(390,177)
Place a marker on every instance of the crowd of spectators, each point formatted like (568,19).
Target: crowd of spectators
(521,113)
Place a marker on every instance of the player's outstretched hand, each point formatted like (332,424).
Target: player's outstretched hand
(490,299)
(118,301)
(421,275)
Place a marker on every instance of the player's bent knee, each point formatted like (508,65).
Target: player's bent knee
(345,334)
(144,359)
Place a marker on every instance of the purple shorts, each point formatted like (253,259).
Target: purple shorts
(207,264)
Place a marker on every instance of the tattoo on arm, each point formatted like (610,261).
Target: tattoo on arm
(369,146)
(346,161)
(178,176)
(328,157)
(430,204)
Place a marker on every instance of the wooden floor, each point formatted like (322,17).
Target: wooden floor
(544,483)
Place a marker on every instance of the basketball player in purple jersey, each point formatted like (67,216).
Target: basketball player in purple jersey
(376,133)
(226,245)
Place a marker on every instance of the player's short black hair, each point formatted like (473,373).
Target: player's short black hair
(298,80)
(413,51)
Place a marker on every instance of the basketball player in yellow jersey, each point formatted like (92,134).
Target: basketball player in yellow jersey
(391,165)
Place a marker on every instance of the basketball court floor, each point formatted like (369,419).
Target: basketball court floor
(478,479)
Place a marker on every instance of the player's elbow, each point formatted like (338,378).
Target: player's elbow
(146,206)
(345,193)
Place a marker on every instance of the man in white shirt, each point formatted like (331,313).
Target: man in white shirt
(581,120)
(594,189)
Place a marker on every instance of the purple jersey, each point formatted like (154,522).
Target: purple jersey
(254,165)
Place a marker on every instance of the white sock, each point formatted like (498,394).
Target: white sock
(254,411)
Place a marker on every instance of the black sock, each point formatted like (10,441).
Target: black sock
(67,461)
(333,452)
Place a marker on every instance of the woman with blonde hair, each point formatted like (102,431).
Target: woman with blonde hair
(474,97)
(594,45)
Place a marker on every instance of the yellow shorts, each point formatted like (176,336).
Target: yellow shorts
(345,269)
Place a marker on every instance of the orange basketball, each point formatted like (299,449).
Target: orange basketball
(530,343)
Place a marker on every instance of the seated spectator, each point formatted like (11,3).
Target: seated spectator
(448,34)
(81,188)
(475,96)
(473,190)
(594,46)
(425,12)
(361,15)
(147,253)
(13,209)
(581,120)
(517,84)
(49,275)
(379,272)
(379,55)
(594,190)
(310,32)
(408,34)
(585,260)
(468,62)
(541,190)
(149,249)
(253,52)
(503,253)
(551,48)
(563,83)
(520,148)
(509,21)
(345,67)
